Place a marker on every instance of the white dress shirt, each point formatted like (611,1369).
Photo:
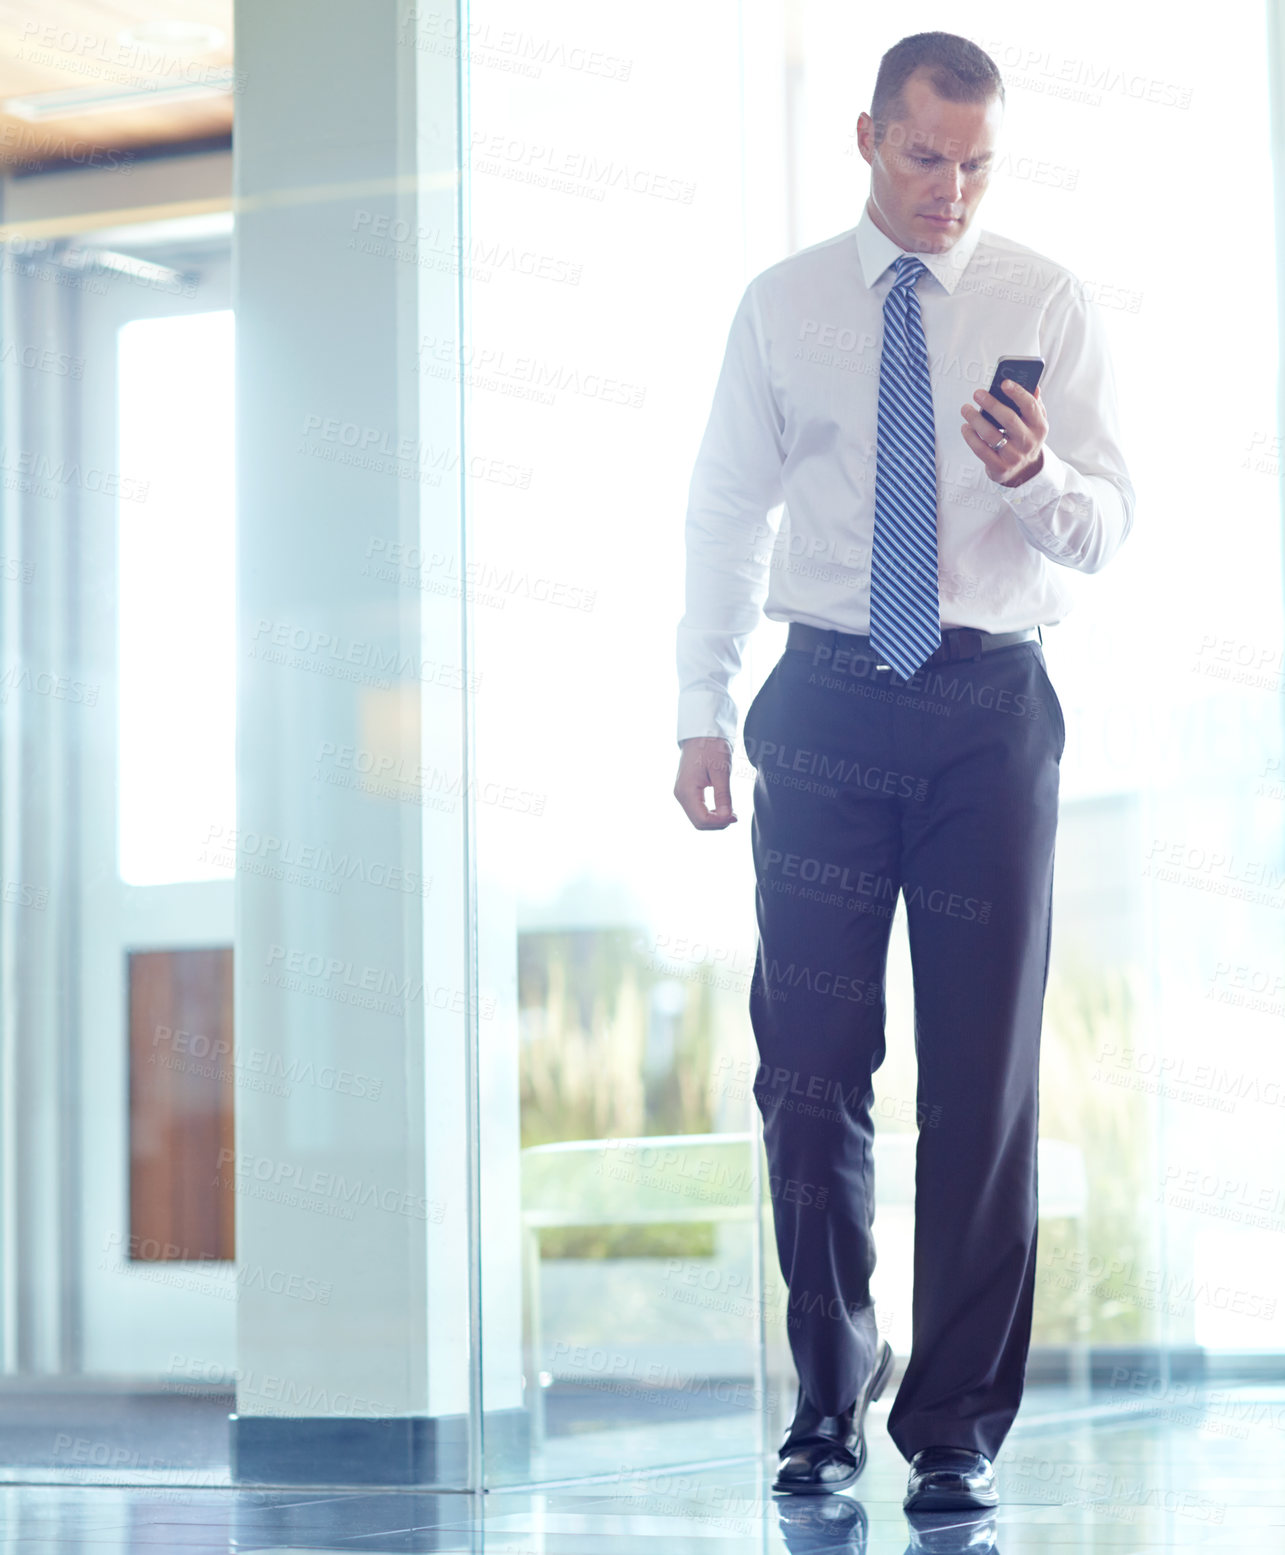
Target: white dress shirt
(793,422)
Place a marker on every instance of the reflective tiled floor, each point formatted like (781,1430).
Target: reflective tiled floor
(1169,1481)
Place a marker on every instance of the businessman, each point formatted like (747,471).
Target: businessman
(906,745)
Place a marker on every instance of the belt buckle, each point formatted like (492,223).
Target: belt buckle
(966,643)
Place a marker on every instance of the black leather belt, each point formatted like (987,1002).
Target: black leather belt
(957,642)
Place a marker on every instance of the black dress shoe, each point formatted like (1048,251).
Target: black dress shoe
(950,1479)
(824,1453)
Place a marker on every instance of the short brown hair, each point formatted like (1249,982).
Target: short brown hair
(958,70)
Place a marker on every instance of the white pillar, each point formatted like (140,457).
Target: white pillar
(352,724)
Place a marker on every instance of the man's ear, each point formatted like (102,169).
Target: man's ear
(866,136)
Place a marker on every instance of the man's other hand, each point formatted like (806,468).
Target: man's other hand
(706,762)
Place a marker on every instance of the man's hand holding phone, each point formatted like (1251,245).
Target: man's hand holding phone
(1008,437)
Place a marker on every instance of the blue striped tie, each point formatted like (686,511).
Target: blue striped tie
(905,609)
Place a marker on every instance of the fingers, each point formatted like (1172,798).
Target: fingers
(1028,404)
(706,764)
(720,777)
(692,798)
(1023,436)
(1010,423)
(981,437)
(1029,417)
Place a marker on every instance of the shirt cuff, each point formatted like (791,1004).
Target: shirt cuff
(1028,499)
(704,714)
(1036,503)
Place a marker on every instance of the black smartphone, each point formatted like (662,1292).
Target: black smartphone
(1025,370)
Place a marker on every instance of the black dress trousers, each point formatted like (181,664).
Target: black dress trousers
(942,789)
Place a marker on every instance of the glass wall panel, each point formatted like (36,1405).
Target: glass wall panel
(608,182)
(630,942)
(371,720)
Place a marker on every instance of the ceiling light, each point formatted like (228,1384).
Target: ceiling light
(78,100)
(180,37)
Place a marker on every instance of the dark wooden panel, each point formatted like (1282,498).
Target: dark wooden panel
(54,45)
(180,1104)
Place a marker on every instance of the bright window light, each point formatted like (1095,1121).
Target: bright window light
(177,686)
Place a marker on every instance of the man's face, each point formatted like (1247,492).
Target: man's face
(929,174)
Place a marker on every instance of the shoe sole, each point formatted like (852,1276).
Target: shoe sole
(878,1382)
(950,1501)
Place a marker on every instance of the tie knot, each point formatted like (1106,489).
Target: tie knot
(909,269)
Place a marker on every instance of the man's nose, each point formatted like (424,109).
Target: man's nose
(949,184)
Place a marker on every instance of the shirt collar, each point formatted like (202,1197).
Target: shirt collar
(876,251)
